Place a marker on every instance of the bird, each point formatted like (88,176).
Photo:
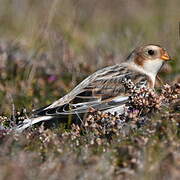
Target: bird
(104,90)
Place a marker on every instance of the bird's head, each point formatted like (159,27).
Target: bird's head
(150,58)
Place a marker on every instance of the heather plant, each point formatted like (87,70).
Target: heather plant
(48,47)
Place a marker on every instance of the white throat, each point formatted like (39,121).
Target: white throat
(149,68)
(153,66)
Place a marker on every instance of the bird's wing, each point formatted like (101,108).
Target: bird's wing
(102,90)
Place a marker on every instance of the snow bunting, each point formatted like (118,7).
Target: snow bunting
(104,90)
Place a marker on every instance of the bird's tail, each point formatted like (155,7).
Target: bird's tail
(29,122)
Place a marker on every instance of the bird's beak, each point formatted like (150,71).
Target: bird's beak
(165,56)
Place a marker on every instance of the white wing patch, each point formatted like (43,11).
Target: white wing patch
(120,99)
(29,122)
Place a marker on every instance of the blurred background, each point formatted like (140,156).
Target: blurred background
(47,47)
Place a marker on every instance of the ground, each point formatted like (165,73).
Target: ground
(46,48)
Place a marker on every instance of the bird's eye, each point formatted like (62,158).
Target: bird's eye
(151,52)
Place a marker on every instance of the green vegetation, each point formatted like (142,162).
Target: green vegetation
(46,48)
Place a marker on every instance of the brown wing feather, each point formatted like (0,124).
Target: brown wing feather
(106,88)
(99,88)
